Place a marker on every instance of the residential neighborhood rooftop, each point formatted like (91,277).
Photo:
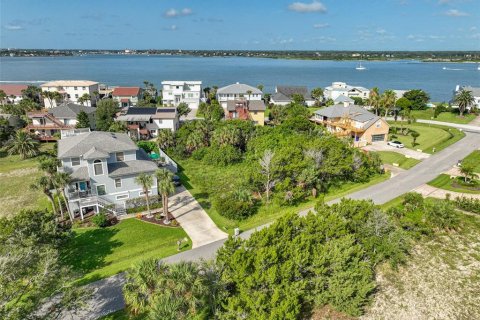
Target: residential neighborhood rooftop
(253,105)
(353,112)
(126,91)
(70,110)
(238,88)
(142,164)
(69,83)
(13,89)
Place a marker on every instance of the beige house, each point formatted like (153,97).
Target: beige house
(246,110)
(347,120)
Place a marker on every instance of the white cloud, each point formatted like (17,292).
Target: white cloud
(321,25)
(173,27)
(315,6)
(13,27)
(173,13)
(473,28)
(456,13)
(381,31)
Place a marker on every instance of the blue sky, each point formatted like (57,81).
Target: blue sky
(241,24)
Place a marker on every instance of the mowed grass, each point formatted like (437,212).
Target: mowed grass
(444,116)
(473,159)
(102,252)
(444,182)
(205,181)
(391,157)
(16,176)
(431,136)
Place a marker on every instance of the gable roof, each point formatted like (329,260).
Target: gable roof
(253,105)
(354,112)
(341,98)
(238,88)
(126,91)
(93,142)
(70,110)
(289,91)
(13,89)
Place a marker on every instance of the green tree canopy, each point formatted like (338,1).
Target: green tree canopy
(105,113)
(418,98)
(83,121)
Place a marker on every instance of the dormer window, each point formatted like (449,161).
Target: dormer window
(120,156)
(98,167)
(75,162)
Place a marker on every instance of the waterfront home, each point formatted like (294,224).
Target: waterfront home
(13,92)
(176,92)
(244,109)
(127,96)
(46,125)
(71,91)
(284,95)
(144,122)
(236,91)
(475,93)
(399,93)
(341,88)
(103,167)
(355,122)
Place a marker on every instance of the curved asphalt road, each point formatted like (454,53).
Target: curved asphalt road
(108,292)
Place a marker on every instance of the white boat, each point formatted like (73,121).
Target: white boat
(360,67)
(478,68)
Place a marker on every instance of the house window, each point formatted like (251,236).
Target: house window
(160,121)
(101,191)
(76,95)
(141,193)
(98,167)
(84,88)
(122,196)
(118,183)
(75,162)
(74,88)
(120,156)
(378,124)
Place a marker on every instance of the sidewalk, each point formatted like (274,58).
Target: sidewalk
(433,192)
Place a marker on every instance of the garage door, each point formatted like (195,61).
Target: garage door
(378,137)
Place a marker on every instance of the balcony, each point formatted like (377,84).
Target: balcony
(73,195)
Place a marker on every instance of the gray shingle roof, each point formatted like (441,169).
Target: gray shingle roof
(253,105)
(280,97)
(106,142)
(95,154)
(475,90)
(354,112)
(70,110)
(342,98)
(81,174)
(238,88)
(289,91)
(142,164)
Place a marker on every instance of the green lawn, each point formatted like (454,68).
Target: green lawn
(444,182)
(474,159)
(101,252)
(431,136)
(444,116)
(16,175)
(203,181)
(391,157)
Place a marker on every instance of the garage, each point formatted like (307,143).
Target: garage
(378,137)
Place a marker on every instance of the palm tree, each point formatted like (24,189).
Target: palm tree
(464,99)
(84,98)
(52,96)
(194,141)
(45,184)
(227,135)
(61,181)
(165,138)
(165,188)
(388,100)
(22,143)
(146,182)
(374,99)
(3,97)
(468,171)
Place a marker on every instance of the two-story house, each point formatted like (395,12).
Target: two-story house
(348,120)
(246,110)
(176,92)
(103,167)
(13,92)
(341,88)
(144,122)
(127,96)
(71,91)
(236,91)
(46,125)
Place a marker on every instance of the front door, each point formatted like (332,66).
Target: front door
(82,186)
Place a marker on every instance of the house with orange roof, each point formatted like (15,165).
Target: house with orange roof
(127,96)
(13,92)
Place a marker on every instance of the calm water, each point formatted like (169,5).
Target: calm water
(133,70)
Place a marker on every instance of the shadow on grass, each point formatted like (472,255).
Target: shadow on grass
(86,250)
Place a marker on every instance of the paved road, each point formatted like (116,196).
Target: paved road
(193,219)
(108,297)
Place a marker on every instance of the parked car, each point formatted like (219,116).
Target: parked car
(396,144)
(176,180)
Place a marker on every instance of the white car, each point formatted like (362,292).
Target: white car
(396,144)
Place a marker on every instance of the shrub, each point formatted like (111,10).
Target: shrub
(468,204)
(230,206)
(412,201)
(199,154)
(442,215)
(222,156)
(100,220)
(148,146)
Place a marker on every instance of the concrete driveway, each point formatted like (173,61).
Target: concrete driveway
(193,219)
(383,146)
